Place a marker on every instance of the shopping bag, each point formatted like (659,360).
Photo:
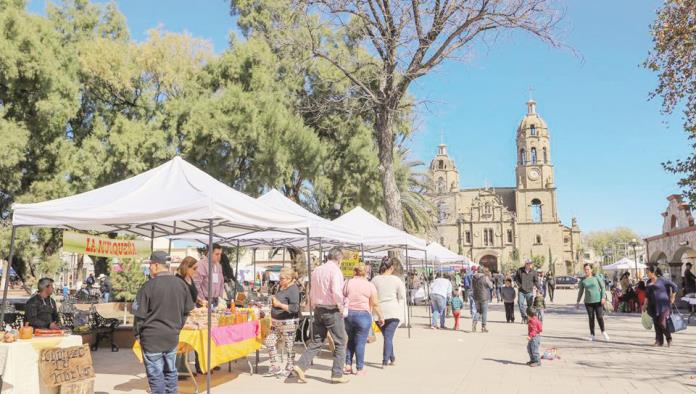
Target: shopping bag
(375,327)
(676,321)
(646,321)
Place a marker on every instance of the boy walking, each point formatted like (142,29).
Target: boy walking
(534,329)
(457,305)
(508,295)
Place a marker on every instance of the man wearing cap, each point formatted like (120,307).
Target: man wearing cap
(216,276)
(526,279)
(160,310)
(105,287)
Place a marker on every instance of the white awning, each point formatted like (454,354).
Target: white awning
(175,198)
(376,234)
(624,264)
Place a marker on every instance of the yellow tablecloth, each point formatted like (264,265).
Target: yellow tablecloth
(20,371)
(197,340)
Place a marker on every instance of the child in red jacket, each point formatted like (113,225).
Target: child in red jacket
(534,337)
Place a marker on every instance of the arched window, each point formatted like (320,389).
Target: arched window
(536,211)
(441,185)
(534,156)
(440,164)
(673,223)
(523,156)
(532,130)
(487,208)
(546,159)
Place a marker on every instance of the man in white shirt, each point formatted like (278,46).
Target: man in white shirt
(440,292)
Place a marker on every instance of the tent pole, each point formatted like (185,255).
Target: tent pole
(427,286)
(283,257)
(169,249)
(362,253)
(408,304)
(253,260)
(309,286)
(6,274)
(152,238)
(210,299)
(236,274)
(321,251)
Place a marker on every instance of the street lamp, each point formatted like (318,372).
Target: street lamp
(633,244)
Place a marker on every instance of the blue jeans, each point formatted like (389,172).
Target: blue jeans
(533,349)
(388,331)
(472,306)
(161,371)
(482,312)
(106,295)
(439,305)
(523,300)
(358,325)
(498,293)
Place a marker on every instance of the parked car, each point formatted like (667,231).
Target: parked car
(566,282)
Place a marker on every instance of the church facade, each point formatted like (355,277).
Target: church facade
(500,227)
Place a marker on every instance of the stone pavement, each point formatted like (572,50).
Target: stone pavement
(445,361)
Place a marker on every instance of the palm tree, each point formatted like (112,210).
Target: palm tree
(413,181)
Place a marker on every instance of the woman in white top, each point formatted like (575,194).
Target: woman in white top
(392,295)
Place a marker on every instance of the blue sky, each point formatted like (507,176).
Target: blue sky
(607,140)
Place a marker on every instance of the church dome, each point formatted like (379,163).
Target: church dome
(532,120)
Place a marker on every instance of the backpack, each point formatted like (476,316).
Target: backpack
(466,281)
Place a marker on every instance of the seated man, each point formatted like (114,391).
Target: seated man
(40,311)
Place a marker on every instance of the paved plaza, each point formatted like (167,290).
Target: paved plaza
(437,361)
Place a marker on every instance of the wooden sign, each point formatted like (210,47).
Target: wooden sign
(81,387)
(59,366)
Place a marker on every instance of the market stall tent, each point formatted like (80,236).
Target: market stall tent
(377,235)
(173,198)
(624,264)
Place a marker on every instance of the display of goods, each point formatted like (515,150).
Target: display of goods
(26,331)
(41,332)
(9,337)
(83,329)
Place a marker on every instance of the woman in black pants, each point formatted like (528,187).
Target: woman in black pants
(593,287)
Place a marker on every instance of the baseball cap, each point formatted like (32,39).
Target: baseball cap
(159,257)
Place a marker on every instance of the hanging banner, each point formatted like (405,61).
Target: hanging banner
(104,246)
(350,260)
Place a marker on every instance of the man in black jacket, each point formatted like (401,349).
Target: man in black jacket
(160,311)
(526,279)
(40,310)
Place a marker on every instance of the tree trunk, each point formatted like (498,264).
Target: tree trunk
(385,143)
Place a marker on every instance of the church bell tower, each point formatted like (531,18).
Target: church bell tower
(536,190)
(444,173)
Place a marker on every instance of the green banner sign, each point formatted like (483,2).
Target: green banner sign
(105,247)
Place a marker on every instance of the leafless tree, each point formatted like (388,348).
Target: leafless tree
(393,43)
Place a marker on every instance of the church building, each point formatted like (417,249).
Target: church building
(501,227)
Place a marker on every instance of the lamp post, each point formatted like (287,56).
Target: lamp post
(633,244)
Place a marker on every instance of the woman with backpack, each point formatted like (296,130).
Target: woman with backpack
(595,297)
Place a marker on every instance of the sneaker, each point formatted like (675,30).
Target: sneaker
(591,338)
(535,364)
(605,335)
(299,373)
(342,379)
(483,329)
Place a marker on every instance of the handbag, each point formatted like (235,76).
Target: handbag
(646,321)
(676,321)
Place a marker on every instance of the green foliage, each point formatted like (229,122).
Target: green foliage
(127,282)
(538,262)
(615,241)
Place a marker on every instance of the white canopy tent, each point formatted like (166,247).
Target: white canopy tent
(377,235)
(624,264)
(174,198)
(440,254)
(322,231)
